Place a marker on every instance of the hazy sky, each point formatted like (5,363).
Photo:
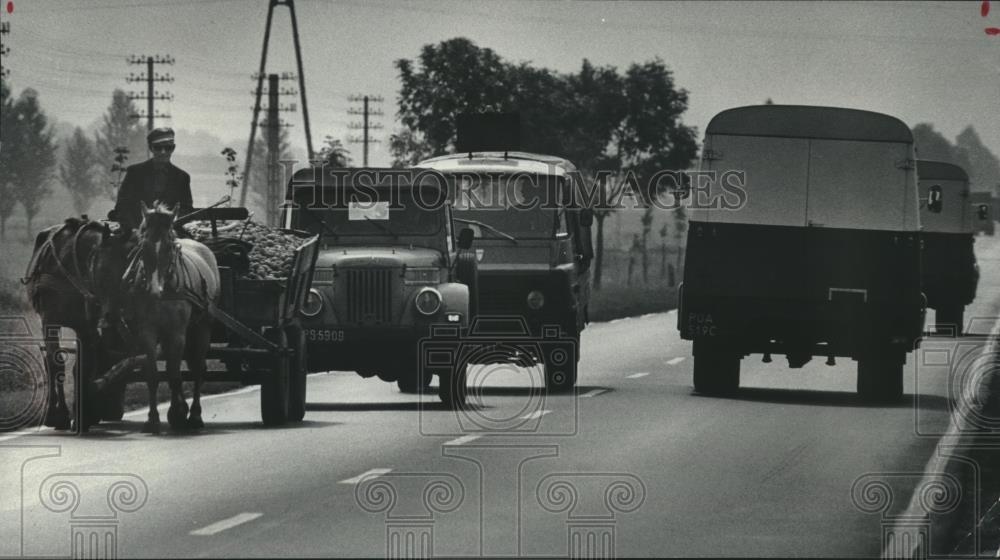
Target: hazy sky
(922,62)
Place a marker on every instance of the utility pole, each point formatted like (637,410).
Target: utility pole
(364,125)
(151,78)
(4,49)
(273,150)
(272,124)
(290,4)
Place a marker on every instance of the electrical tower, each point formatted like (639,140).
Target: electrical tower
(260,86)
(365,125)
(151,78)
(4,49)
(275,191)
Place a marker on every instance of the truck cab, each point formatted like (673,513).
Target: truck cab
(532,242)
(392,263)
(950,272)
(982,215)
(822,258)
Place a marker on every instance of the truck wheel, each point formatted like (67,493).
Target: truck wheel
(274,383)
(467,272)
(413,382)
(951,317)
(880,377)
(716,370)
(560,368)
(452,389)
(297,375)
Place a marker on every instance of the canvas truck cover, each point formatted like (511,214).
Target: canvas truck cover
(821,167)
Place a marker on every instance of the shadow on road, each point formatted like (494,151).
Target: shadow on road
(830,398)
(111,431)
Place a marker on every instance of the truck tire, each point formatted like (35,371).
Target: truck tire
(716,369)
(950,318)
(297,375)
(880,377)
(452,388)
(467,272)
(274,383)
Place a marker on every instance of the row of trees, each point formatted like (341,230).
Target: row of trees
(27,155)
(968,152)
(90,167)
(598,117)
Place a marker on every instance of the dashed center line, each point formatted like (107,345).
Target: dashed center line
(367,474)
(593,393)
(637,375)
(535,414)
(675,361)
(463,439)
(221,526)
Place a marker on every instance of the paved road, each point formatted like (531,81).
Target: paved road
(635,463)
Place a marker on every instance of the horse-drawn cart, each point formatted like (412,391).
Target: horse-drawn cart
(256,332)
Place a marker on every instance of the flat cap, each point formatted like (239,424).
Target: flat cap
(160,136)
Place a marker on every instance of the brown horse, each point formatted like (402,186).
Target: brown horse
(171,284)
(66,279)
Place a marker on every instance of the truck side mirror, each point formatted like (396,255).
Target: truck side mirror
(586,217)
(983,212)
(934,201)
(465,238)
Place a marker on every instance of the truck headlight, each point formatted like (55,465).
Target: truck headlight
(313,303)
(428,301)
(536,299)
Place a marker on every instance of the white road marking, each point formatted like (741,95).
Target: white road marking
(535,414)
(637,375)
(221,526)
(675,361)
(365,475)
(463,439)
(593,393)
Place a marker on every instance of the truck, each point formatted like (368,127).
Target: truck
(821,258)
(391,263)
(950,272)
(533,246)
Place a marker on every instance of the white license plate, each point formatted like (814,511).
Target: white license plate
(324,335)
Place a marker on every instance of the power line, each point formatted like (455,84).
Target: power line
(365,126)
(273,87)
(151,78)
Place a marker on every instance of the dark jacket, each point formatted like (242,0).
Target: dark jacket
(138,186)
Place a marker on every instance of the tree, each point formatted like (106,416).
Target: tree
(118,130)
(258,180)
(78,171)
(454,77)
(408,148)
(601,120)
(33,154)
(984,167)
(334,153)
(931,144)
(8,125)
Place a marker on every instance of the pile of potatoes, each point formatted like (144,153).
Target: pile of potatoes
(272,251)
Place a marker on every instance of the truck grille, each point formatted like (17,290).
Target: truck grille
(369,295)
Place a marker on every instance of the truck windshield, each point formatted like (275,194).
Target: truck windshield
(361,215)
(521,206)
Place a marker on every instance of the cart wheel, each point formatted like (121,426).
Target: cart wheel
(297,375)
(274,383)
